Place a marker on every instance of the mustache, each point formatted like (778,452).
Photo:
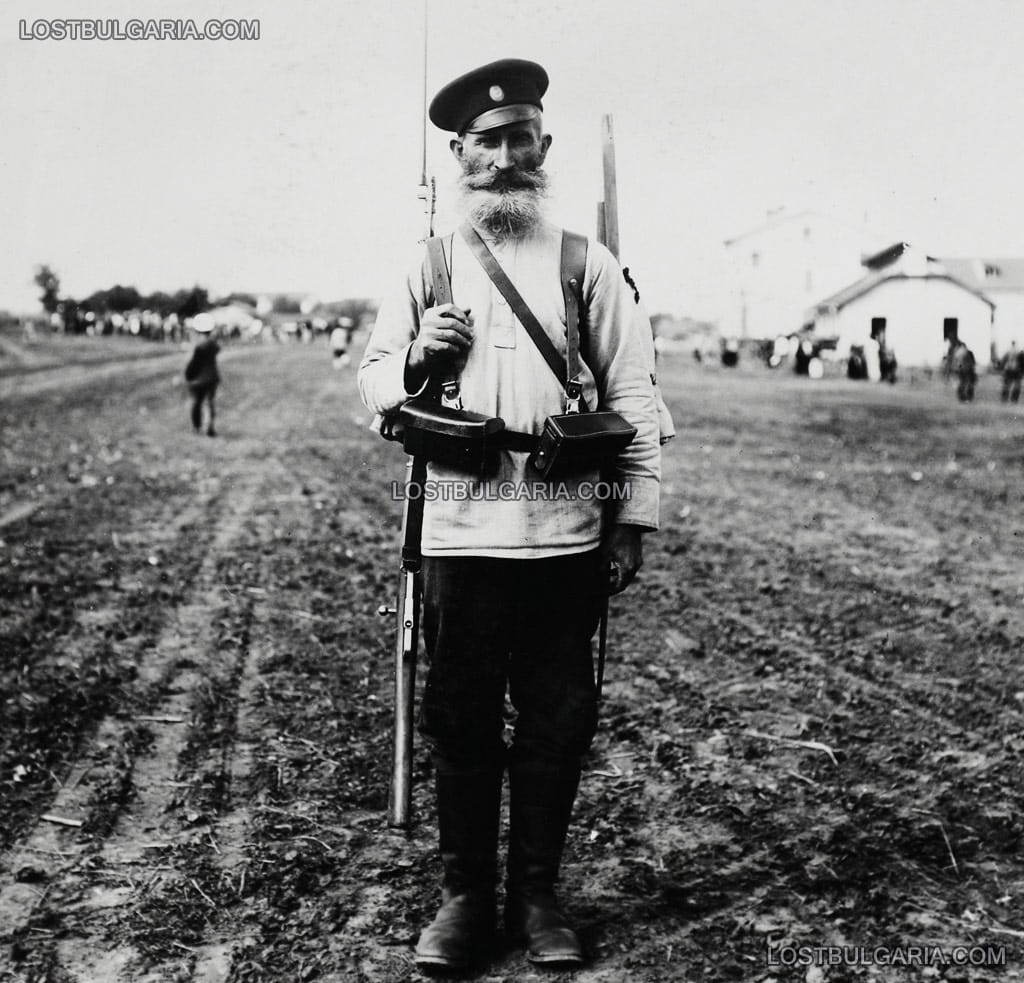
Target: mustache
(515,179)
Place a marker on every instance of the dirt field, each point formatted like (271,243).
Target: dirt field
(813,727)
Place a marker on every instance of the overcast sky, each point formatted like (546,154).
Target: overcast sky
(291,162)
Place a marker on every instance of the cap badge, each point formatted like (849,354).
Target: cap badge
(497,93)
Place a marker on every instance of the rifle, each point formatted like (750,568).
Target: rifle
(407,610)
(607,235)
(407,626)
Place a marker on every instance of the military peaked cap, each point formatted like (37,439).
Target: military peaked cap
(502,92)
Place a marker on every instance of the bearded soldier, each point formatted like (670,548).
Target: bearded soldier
(513,584)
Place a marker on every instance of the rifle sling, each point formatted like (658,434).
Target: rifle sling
(440,278)
(440,281)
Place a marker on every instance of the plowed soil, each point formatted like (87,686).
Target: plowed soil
(813,722)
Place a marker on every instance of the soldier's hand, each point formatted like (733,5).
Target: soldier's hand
(443,343)
(623,552)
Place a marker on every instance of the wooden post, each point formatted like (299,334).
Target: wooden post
(602,228)
(611,197)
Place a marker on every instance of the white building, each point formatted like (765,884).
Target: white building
(783,266)
(913,303)
(1002,281)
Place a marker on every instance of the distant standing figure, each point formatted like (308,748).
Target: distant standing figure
(1013,372)
(339,347)
(202,374)
(887,364)
(965,366)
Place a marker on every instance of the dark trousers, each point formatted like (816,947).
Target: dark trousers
(525,624)
(200,392)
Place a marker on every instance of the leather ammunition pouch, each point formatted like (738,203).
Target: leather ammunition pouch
(456,438)
(577,442)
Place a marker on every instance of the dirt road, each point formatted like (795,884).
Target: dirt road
(813,726)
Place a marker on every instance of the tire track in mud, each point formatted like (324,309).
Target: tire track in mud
(197,861)
(41,876)
(305,833)
(342,836)
(214,863)
(76,799)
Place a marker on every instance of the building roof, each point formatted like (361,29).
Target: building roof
(988,273)
(775,219)
(885,257)
(865,284)
(781,216)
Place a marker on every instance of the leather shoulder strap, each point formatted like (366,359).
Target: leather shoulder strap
(573,268)
(515,300)
(519,306)
(437,266)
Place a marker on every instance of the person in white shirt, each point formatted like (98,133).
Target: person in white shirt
(513,584)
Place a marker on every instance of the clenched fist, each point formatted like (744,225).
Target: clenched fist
(442,345)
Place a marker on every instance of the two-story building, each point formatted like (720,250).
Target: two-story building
(783,266)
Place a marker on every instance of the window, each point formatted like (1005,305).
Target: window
(878,329)
(951,330)
(992,271)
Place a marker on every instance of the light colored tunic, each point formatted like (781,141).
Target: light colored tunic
(512,514)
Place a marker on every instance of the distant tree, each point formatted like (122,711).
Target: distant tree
(49,283)
(286,305)
(161,302)
(123,299)
(189,303)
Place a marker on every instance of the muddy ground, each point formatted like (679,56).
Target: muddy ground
(813,726)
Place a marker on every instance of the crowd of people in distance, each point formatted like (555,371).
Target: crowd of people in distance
(961,362)
(153,326)
(875,361)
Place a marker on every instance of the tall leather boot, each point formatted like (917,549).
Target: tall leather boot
(468,806)
(542,795)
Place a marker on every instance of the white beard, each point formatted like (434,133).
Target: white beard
(511,213)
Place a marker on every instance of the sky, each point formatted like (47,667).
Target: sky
(291,162)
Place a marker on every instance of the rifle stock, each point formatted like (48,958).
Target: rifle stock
(407,626)
(400,799)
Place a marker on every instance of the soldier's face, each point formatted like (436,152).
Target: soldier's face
(507,154)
